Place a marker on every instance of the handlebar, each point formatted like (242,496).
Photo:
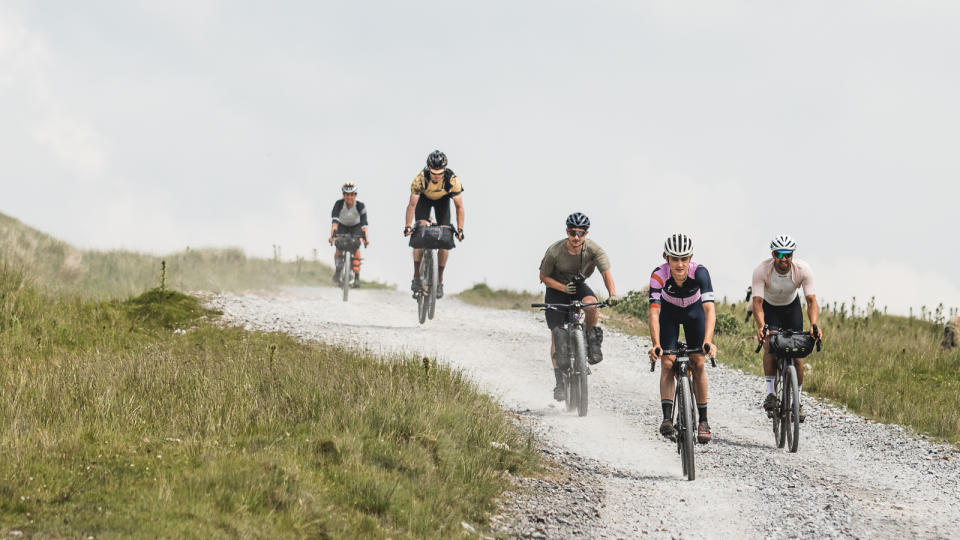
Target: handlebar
(766,328)
(568,306)
(685,353)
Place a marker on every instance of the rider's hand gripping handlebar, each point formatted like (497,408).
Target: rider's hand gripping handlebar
(760,345)
(816,335)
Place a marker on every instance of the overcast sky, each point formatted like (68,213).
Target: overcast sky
(154,125)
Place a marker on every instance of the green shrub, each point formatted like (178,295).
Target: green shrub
(636,304)
(727,324)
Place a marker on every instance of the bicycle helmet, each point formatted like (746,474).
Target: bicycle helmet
(783,242)
(678,245)
(349,187)
(577,220)
(437,160)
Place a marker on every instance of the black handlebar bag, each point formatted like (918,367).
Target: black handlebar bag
(432,237)
(347,243)
(791,346)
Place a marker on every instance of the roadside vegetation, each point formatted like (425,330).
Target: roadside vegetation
(482,295)
(148,418)
(59,267)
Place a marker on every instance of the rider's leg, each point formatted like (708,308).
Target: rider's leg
(667,384)
(337,264)
(442,255)
(593,316)
(697,362)
(417,257)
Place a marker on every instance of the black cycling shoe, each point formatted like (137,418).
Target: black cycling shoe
(667,429)
(802,416)
(336,275)
(559,393)
(770,403)
(416,286)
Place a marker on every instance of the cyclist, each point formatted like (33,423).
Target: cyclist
(681,294)
(776,303)
(564,269)
(433,188)
(349,217)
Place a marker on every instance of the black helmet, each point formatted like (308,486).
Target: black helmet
(437,160)
(577,220)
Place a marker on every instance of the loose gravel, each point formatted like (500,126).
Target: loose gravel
(617,478)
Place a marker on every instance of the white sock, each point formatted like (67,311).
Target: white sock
(768,384)
(800,392)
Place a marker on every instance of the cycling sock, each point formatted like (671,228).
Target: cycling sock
(702,411)
(768,382)
(416,269)
(667,406)
(440,273)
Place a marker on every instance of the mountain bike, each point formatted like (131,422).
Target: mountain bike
(348,244)
(426,297)
(787,346)
(570,346)
(684,403)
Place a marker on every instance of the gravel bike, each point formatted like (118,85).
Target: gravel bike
(426,296)
(787,346)
(570,351)
(348,244)
(684,404)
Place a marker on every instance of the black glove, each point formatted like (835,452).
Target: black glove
(460,235)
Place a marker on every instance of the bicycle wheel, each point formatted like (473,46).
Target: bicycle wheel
(346,274)
(792,424)
(686,435)
(432,284)
(573,390)
(779,434)
(423,301)
(580,369)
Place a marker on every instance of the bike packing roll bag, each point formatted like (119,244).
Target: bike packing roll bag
(432,237)
(792,346)
(347,243)
(561,344)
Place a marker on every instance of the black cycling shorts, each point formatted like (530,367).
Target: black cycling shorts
(692,318)
(441,209)
(788,317)
(556,319)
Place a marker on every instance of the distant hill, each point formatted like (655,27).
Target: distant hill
(57,266)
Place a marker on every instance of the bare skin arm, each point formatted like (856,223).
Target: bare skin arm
(710,310)
(458,203)
(552,283)
(758,315)
(654,323)
(411,209)
(813,311)
(608,282)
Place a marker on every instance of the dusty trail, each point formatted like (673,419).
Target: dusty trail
(851,478)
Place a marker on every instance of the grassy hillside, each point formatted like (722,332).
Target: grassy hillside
(145,418)
(59,267)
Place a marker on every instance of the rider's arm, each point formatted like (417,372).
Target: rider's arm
(813,311)
(411,208)
(608,282)
(758,310)
(654,325)
(458,203)
(552,283)
(710,310)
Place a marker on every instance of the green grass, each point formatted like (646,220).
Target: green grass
(116,425)
(482,295)
(58,267)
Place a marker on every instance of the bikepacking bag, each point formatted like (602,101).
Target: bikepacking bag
(347,243)
(561,348)
(432,237)
(792,346)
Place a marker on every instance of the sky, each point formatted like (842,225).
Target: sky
(156,125)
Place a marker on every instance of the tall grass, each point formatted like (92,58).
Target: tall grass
(59,267)
(145,418)
(482,295)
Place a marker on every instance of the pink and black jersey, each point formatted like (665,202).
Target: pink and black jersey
(696,288)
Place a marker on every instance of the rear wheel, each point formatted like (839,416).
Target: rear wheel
(686,432)
(580,369)
(792,423)
(346,274)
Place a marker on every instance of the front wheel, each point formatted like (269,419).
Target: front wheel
(432,284)
(779,432)
(580,370)
(686,428)
(792,410)
(346,274)
(423,297)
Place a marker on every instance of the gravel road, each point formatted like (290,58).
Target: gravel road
(617,477)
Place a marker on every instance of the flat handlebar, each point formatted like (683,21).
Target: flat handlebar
(767,328)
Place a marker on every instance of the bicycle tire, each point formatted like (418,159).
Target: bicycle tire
(580,370)
(793,411)
(434,272)
(573,391)
(422,300)
(687,434)
(779,434)
(346,274)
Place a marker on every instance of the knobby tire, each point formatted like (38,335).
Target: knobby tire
(422,296)
(687,433)
(793,424)
(779,432)
(434,277)
(346,274)
(580,369)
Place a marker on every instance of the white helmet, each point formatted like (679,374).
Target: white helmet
(678,245)
(349,187)
(783,241)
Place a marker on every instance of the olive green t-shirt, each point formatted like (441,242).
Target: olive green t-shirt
(560,265)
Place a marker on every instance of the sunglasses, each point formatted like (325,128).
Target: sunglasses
(783,254)
(576,233)
(437,172)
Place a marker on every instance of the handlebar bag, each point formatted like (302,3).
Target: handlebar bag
(347,243)
(792,346)
(432,237)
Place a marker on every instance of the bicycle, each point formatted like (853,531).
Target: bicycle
(787,345)
(684,402)
(435,236)
(348,244)
(571,353)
